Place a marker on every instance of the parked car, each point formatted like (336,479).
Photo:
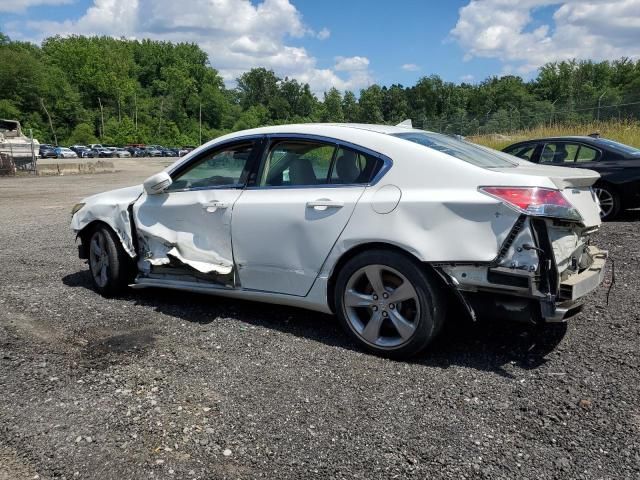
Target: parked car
(152,151)
(121,153)
(83,151)
(47,151)
(101,151)
(184,150)
(380,225)
(168,152)
(618,165)
(135,151)
(64,152)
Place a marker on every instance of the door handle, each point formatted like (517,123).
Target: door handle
(213,206)
(324,203)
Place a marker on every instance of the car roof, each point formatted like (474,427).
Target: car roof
(566,138)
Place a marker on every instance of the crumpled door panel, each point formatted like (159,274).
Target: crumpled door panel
(183,226)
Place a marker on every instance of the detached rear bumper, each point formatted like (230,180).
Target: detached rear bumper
(524,295)
(572,290)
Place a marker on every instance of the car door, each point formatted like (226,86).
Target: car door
(189,224)
(285,225)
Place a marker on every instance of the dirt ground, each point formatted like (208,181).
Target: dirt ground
(157,384)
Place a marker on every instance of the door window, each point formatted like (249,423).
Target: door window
(559,153)
(525,152)
(586,154)
(298,163)
(222,167)
(353,167)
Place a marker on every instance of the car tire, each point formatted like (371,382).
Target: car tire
(403,299)
(111,268)
(610,203)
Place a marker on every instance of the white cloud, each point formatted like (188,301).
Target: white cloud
(237,35)
(507,30)
(323,34)
(351,64)
(410,67)
(16,6)
(467,78)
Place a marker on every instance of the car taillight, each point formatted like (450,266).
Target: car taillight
(537,201)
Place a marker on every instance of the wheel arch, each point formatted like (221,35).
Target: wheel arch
(85,234)
(363,247)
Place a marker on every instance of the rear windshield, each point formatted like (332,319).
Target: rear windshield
(621,147)
(460,149)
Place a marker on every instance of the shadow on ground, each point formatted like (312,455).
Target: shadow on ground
(486,345)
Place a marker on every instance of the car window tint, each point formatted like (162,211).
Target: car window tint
(461,149)
(586,154)
(558,153)
(524,151)
(297,163)
(353,167)
(226,167)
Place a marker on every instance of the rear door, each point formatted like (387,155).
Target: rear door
(285,225)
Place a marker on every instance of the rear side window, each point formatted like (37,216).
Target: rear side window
(586,154)
(559,152)
(353,167)
(297,163)
(305,163)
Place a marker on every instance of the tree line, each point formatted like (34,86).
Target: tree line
(116,91)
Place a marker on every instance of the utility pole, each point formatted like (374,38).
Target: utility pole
(599,100)
(55,138)
(553,109)
(135,103)
(200,123)
(101,118)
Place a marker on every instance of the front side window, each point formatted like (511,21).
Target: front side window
(524,152)
(225,167)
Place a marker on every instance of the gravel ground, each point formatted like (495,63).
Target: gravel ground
(171,385)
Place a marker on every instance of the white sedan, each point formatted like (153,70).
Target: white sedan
(383,226)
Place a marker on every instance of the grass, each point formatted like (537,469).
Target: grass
(625,131)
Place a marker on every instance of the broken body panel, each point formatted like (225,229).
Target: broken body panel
(267,245)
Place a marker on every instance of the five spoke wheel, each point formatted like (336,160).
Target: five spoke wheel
(99,259)
(381,305)
(608,202)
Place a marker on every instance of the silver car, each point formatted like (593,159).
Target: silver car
(383,226)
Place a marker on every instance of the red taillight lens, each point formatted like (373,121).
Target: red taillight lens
(544,202)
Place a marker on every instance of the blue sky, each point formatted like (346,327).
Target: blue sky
(353,43)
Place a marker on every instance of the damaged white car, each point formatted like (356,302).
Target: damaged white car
(381,225)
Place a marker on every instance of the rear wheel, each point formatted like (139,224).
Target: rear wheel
(609,202)
(389,303)
(110,266)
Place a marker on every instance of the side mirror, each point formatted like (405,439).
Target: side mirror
(157,183)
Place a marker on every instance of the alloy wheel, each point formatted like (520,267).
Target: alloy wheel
(607,202)
(381,306)
(99,259)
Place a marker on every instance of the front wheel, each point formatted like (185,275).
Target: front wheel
(389,303)
(110,266)
(609,202)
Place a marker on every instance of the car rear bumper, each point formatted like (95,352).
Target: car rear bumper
(499,293)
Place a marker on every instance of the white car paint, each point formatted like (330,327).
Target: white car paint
(280,246)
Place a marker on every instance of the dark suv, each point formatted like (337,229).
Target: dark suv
(618,165)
